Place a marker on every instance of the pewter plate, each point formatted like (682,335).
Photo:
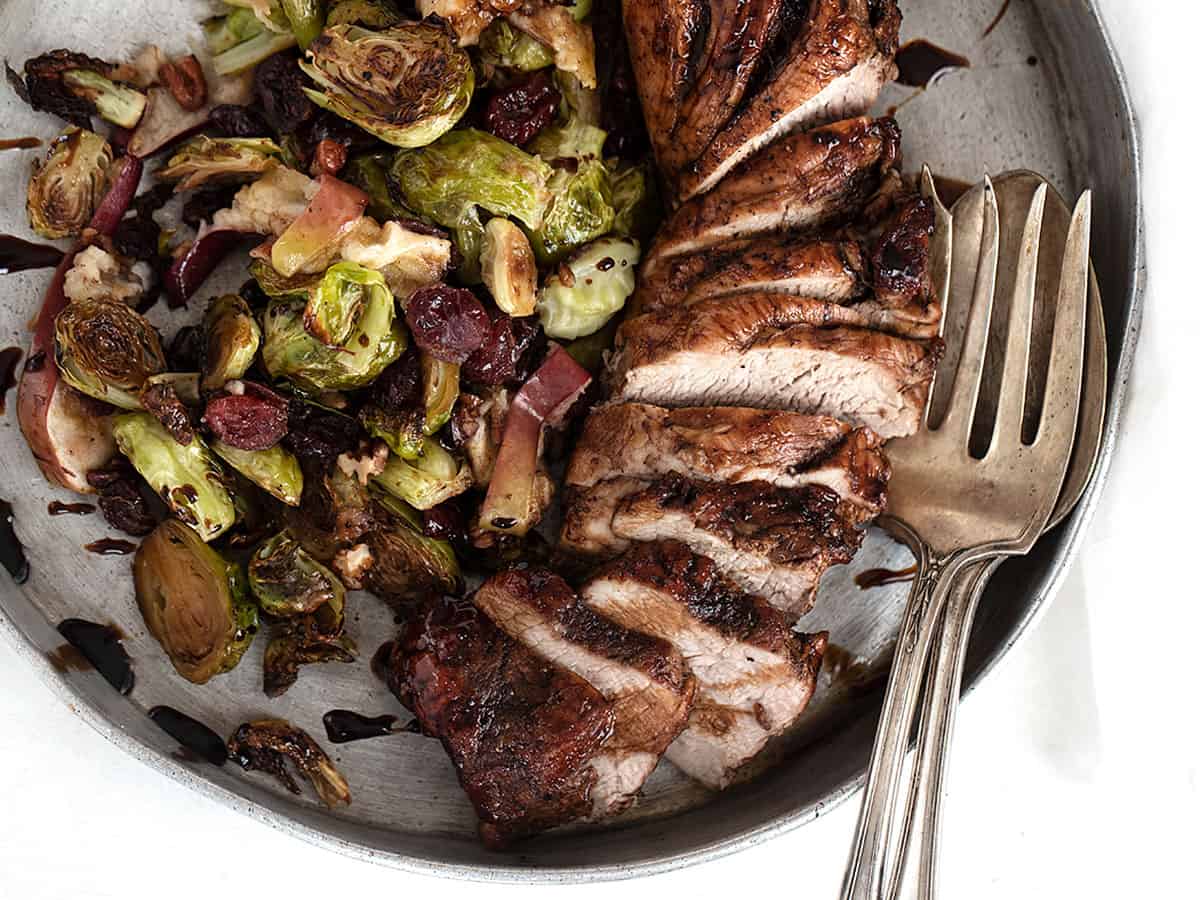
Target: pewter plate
(1044,92)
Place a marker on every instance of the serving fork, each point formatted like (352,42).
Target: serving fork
(973,493)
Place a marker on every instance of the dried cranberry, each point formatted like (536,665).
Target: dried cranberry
(203,204)
(318,437)
(279,87)
(236,121)
(445,522)
(509,353)
(124,507)
(446,322)
(254,420)
(398,387)
(516,113)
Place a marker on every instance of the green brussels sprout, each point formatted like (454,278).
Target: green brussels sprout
(368,172)
(66,188)
(223,33)
(439,385)
(375,340)
(581,211)
(116,103)
(371,13)
(407,84)
(275,470)
(571,139)
(186,385)
(406,562)
(204,159)
(194,602)
(106,350)
(233,338)
(589,350)
(249,53)
(636,201)
(288,582)
(188,478)
(270,14)
(601,280)
(508,267)
(306,18)
(301,643)
(403,432)
(282,287)
(432,478)
(503,47)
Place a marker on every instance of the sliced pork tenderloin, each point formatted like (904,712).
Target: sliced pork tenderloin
(754,674)
(644,677)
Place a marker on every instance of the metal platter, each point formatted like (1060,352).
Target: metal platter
(1044,91)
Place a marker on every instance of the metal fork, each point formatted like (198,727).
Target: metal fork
(961,509)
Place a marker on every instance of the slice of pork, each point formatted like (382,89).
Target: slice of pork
(768,351)
(804,181)
(644,678)
(755,675)
(834,68)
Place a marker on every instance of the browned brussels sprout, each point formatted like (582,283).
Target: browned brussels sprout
(266,745)
(66,188)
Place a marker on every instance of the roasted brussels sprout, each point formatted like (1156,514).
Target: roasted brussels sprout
(504,47)
(250,52)
(581,211)
(298,644)
(189,479)
(186,385)
(508,267)
(66,188)
(558,27)
(374,340)
(275,470)
(288,582)
(571,139)
(267,743)
(270,13)
(407,84)
(223,33)
(600,281)
(636,201)
(77,87)
(306,18)
(279,287)
(107,351)
(195,602)
(432,478)
(439,380)
(116,103)
(203,159)
(233,337)
(370,13)
(403,431)
(406,562)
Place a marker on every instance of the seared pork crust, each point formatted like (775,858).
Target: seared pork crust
(522,733)
(810,179)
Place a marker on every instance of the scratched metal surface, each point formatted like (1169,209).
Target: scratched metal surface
(1065,115)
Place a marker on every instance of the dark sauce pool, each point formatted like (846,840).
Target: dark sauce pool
(194,736)
(343,726)
(872,578)
(17,255)
(101,646)
(12,554)
(111,547)
(58,508)
(921,63)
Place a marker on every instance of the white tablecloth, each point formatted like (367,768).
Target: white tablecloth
(1075,773)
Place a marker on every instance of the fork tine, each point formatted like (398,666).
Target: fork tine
(1020,328)
(1064,379)
(961,408)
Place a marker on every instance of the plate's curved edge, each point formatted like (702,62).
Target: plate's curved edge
(1073,529)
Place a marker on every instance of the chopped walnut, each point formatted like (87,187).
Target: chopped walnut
(368,461)
(353,565)
(97,274)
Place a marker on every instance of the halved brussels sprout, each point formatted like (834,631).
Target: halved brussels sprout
(275,470)
(403,431)
(223,33)
(406,562)
(189,479)
(106,350)
(194,601)
(601,280)
(432,478)
(504,47)
(439,381)
(204,159)
(266,744)
(581,211)
(407,84)
(375,341)
(572,139)
(66,188)
(306,18)
(636,201)
(337,303)
(280,287)
(508,267)
(300,644)
(371,13)
(288,582)
(117,103)
(249,53)
(233,337)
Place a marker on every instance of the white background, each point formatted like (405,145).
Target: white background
(1075,773)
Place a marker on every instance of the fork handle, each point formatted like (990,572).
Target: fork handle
(935,732)
(871,856)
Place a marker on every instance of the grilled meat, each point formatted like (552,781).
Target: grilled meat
(644,678)
(833,68)
(755,675)
(800,182)
(524,735)
(769,541)
(730,444)
(766,350)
